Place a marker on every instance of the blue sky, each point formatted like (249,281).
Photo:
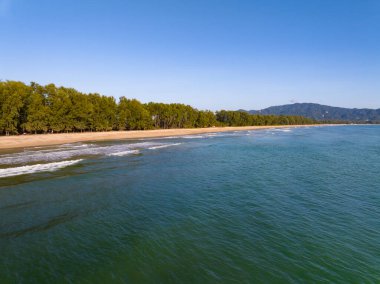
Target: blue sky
(212,54)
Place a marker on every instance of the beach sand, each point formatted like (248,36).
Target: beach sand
(33,140)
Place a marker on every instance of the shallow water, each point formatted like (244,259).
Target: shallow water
(269,206)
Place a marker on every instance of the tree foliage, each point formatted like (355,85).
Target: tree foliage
(50,109)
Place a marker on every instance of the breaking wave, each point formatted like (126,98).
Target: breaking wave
(164,146)
(69,151)
(193,136)
(50,167)
(280,130)
(124,153)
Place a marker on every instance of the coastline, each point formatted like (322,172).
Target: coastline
(34,140)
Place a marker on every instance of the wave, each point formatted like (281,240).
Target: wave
(189,136)
(75,146)
(193,136)
(62,153)
(277,130)
(165,137)
(50,167)
(180,137)
(163,146)
(124,153)
(74,151)
(272,130)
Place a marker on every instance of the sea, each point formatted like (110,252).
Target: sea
(296,205)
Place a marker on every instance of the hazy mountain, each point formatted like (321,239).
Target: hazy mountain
(323,112)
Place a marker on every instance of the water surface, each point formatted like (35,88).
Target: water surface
(269,206)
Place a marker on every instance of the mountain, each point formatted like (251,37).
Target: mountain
(323,112)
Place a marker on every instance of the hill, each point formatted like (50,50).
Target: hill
(323,112)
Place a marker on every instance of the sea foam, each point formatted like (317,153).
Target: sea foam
(36,168)
(164,146)
(124,153)
(70,151)
(193,136)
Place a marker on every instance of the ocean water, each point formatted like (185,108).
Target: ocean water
(270,206)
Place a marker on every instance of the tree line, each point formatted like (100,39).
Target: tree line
(35,108)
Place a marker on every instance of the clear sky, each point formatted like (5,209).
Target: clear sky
(212,54)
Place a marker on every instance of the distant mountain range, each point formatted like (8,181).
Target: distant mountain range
(323,112)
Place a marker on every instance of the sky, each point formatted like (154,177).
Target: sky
(211,54)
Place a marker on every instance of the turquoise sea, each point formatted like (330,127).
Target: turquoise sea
(298,205)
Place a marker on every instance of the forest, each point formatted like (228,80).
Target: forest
(36,109)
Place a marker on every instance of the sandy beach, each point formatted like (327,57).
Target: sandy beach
(21,141)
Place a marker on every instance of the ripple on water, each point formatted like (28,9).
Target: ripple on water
(289,207)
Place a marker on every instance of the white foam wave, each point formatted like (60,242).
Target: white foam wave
(59,154)
(184,137)
(124,153)
(196,136)
(273,130)
(163,146)
(36,168)
(75,146)
(168,137)
(193,136)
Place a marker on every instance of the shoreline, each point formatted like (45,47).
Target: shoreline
(34,140)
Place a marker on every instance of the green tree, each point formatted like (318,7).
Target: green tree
(80,111)
(205,119)
(12,97)
(37,114)
(123,114)
(60,106)
(38,109)
(139,118)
